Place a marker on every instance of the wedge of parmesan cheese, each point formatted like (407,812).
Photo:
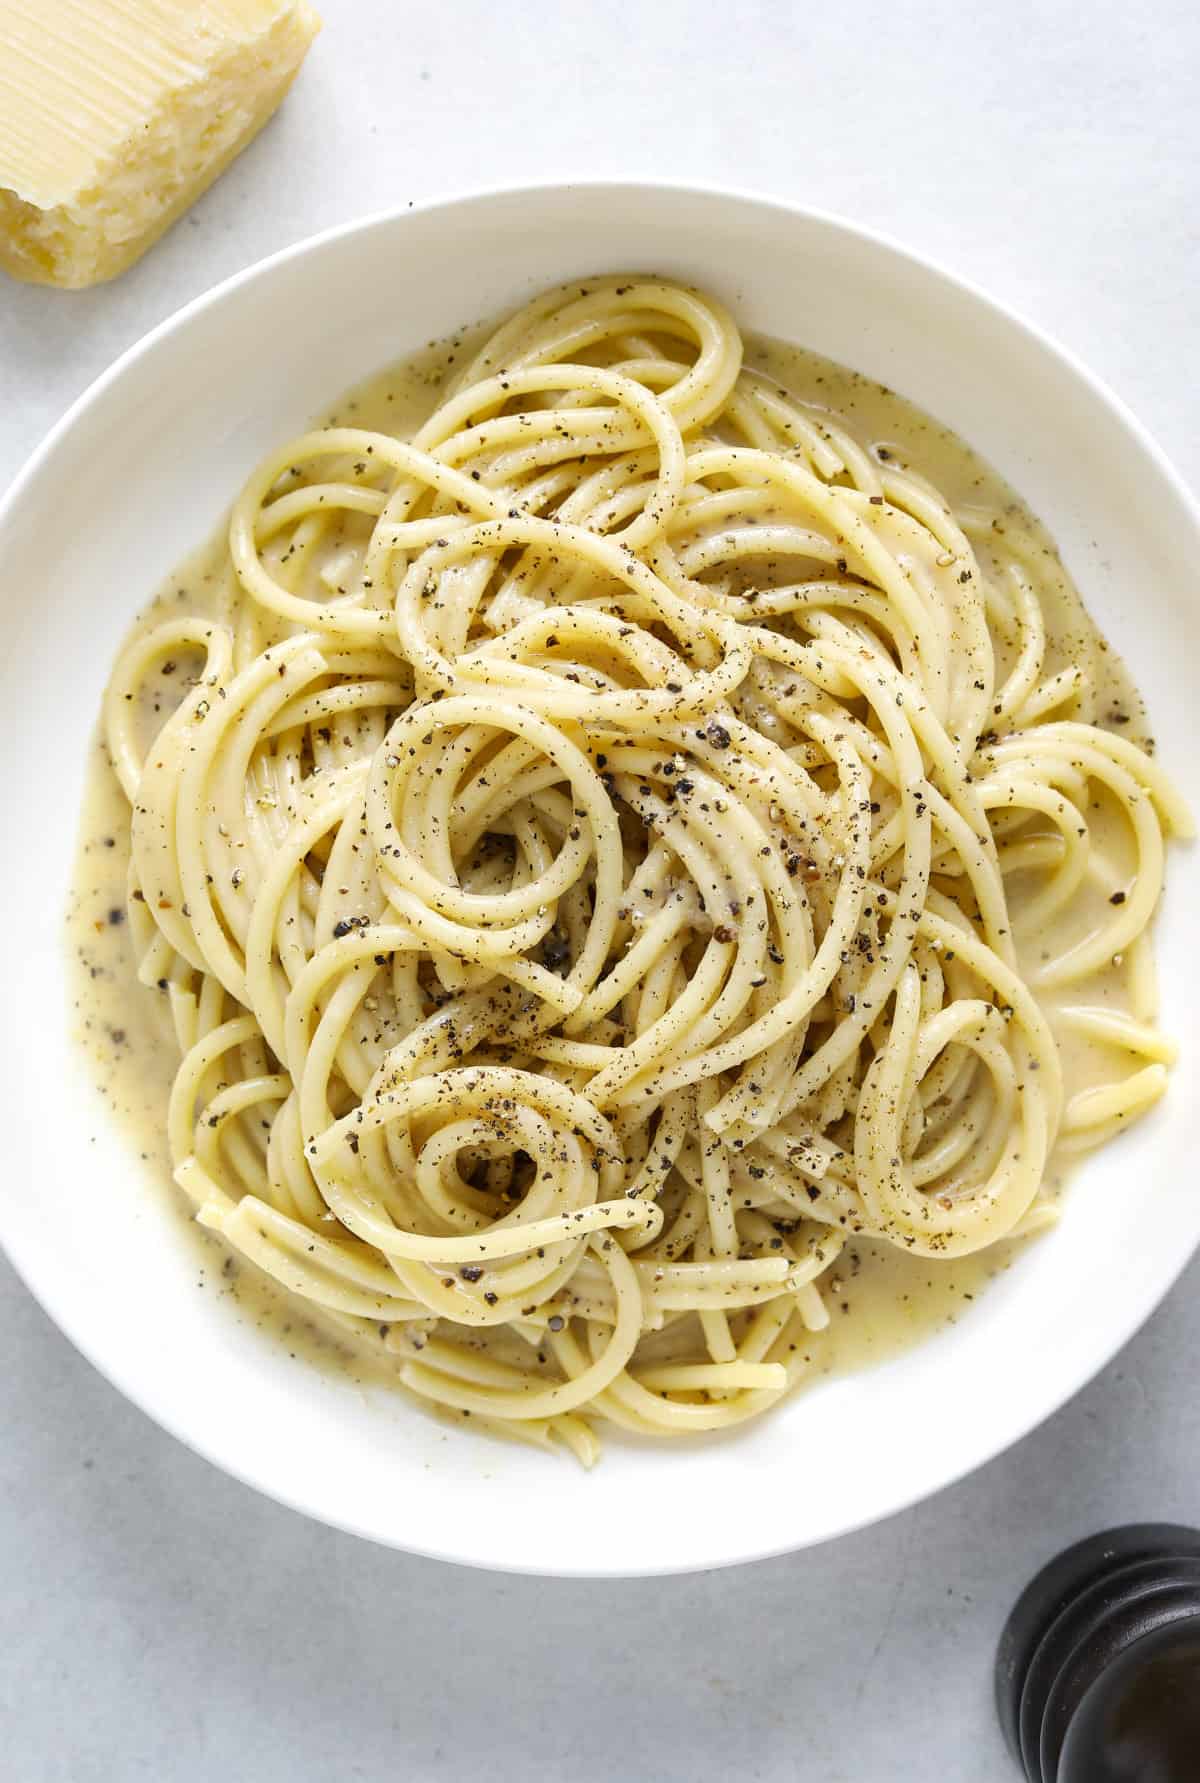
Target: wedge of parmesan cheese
(116,114)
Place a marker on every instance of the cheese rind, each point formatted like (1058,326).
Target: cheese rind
(116,114)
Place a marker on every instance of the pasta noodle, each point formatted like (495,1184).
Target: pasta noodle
(614,850)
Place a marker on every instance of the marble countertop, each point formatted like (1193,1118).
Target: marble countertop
(159,1620)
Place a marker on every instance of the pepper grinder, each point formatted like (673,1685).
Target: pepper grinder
(1098,1671)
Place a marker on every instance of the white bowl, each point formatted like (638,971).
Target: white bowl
(137,473)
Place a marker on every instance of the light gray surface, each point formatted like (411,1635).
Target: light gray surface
(159,1621)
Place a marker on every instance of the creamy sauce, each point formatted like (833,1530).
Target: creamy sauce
(881,1299)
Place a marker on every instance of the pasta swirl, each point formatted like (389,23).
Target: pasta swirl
(612,852)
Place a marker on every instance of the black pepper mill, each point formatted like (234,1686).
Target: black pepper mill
(1098,1673)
